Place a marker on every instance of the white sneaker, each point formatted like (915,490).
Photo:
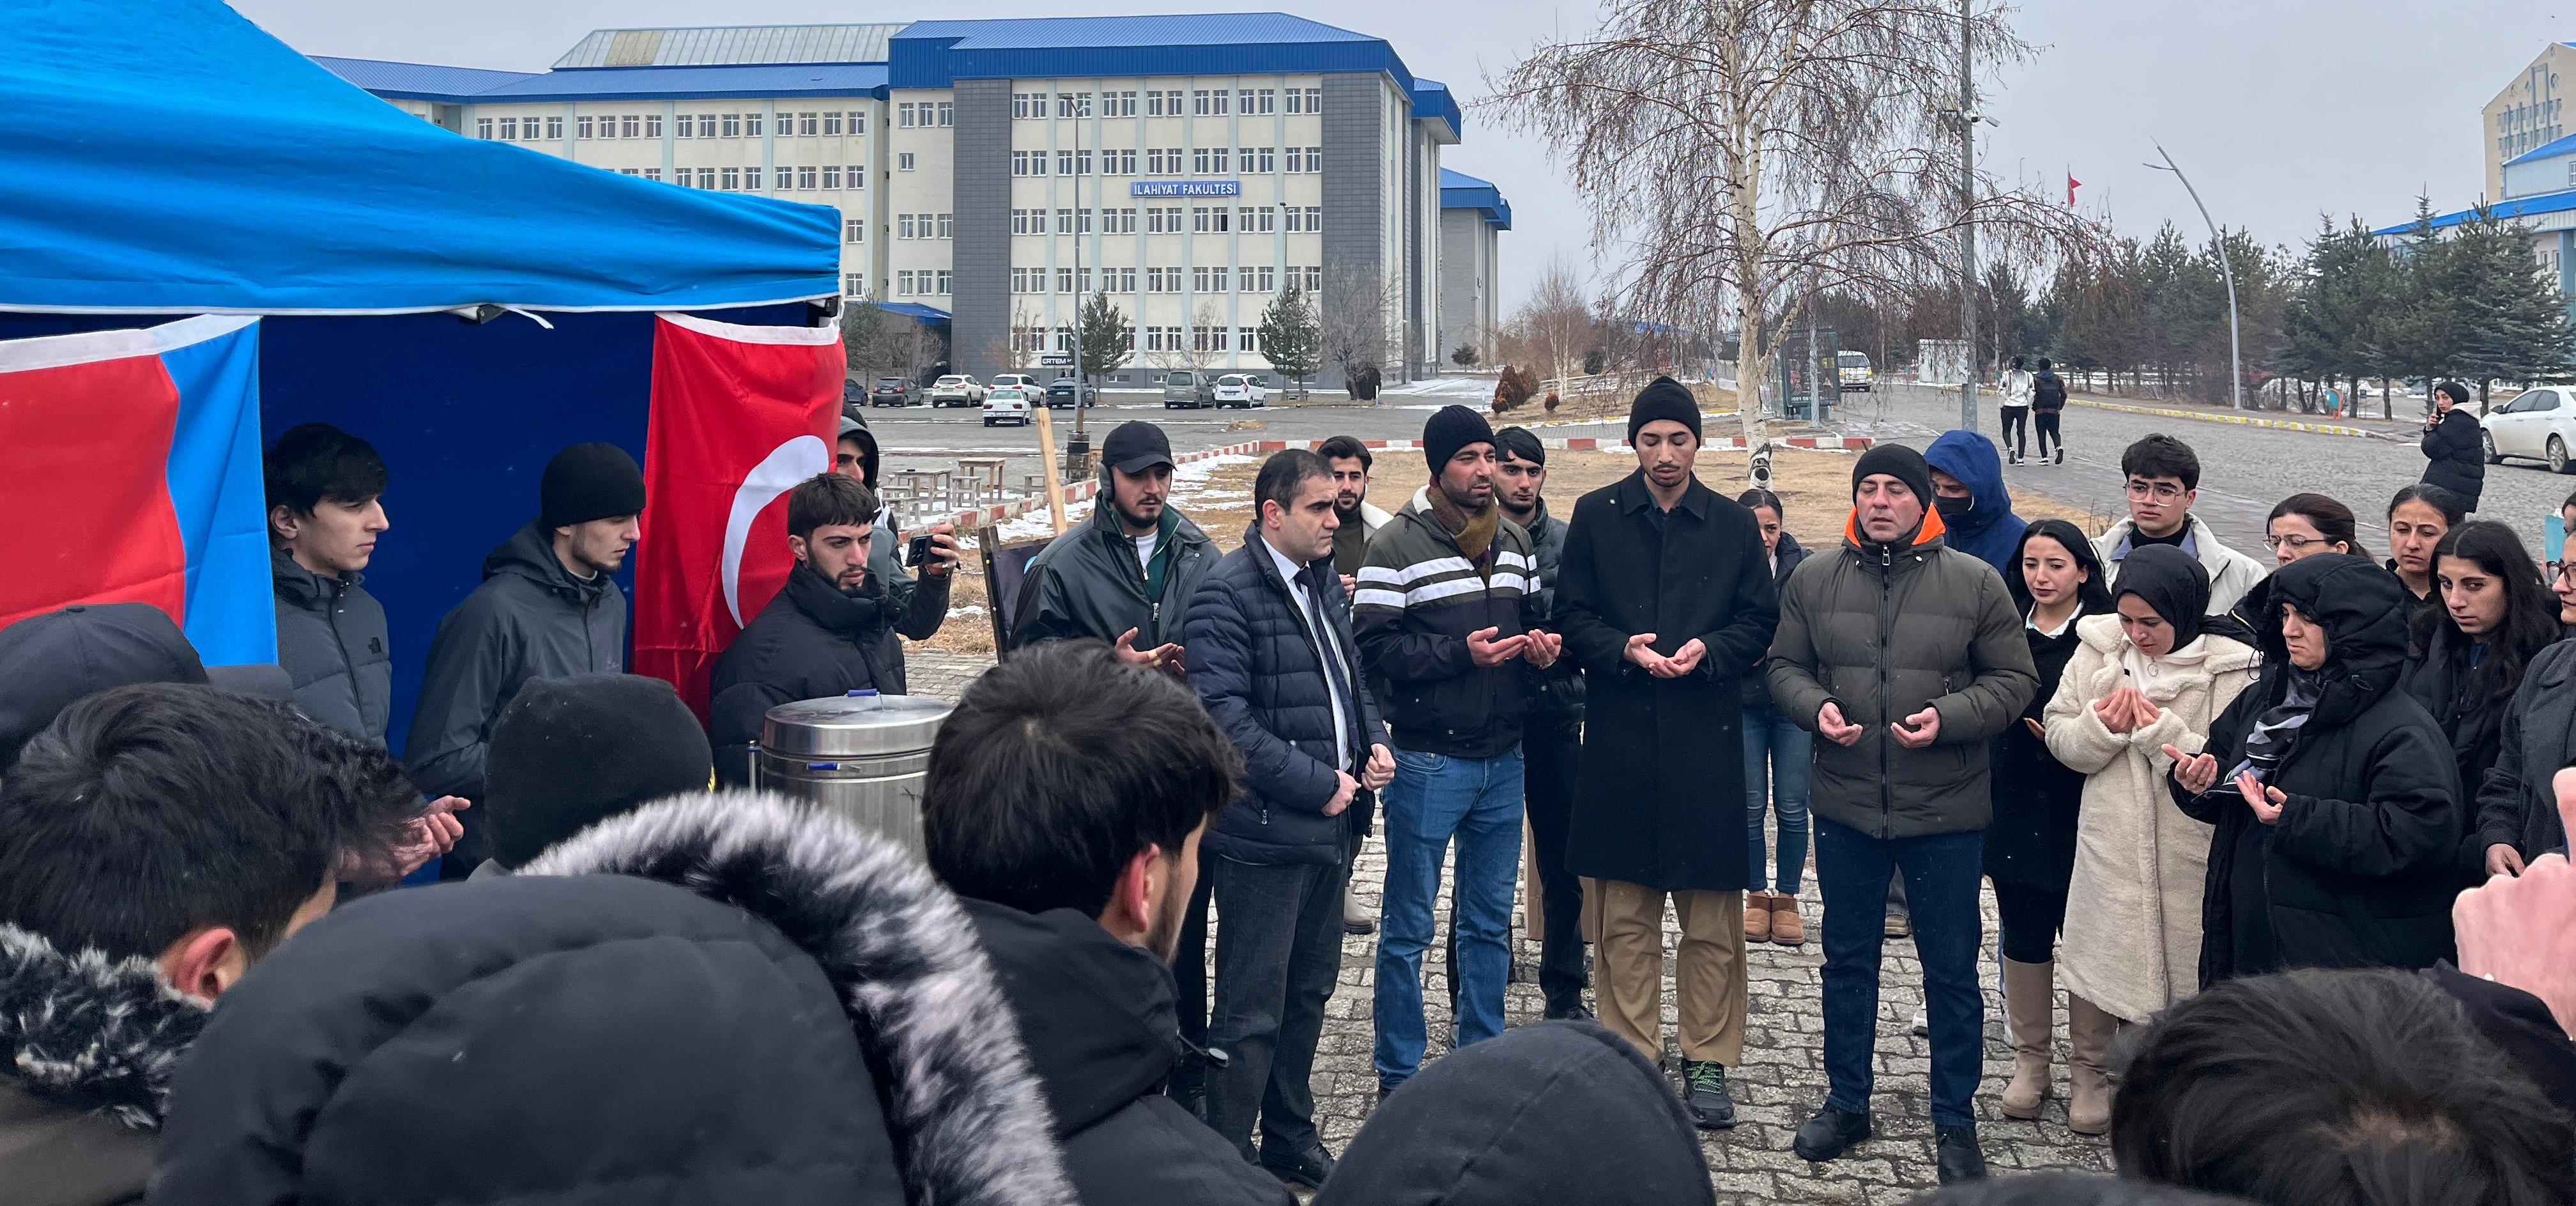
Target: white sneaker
(1922,1024)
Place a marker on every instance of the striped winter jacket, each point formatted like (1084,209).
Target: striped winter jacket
(1418,599)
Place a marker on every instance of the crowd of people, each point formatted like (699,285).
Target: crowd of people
(2298,830)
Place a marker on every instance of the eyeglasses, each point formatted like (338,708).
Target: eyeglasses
(2563,571)
(2293,543)
(2163,491)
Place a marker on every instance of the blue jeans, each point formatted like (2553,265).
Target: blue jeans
(1941,872)
(1434,798)
(1778,757)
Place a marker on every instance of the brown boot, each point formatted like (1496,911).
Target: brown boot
(1786,928)
(1757,917)
(2088,1035)
(2027,989)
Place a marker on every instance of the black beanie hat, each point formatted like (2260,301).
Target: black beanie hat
(587,482)
(1663,398)
(1452,428)
(1522,444)
(569,752)
(1899,462)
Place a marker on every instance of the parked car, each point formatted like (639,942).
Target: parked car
(2538,423)
(1060,394)
(1022,380)
(1183,388)
(1006,403)
(1236,389)
(1853,370)
(894,391)
(956,389)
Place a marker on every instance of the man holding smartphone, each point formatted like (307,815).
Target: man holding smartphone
(831,629)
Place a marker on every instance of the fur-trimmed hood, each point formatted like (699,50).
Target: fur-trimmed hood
(901,955)
(87,1032)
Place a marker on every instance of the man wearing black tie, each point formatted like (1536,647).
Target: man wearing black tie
(1272,657)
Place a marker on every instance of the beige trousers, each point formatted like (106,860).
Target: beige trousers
(1628,944)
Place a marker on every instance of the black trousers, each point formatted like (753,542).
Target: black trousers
(1190,992)
(2016,435)
(2046,421)
(1277,958)
(1549,751)
(2030,918)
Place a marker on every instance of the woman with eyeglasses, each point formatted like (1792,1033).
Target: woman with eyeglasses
(2418,517)
(2517,814)
(2333,794)
(2466,660)
(2302,525)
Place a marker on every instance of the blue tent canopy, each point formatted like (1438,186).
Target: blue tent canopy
(177,159)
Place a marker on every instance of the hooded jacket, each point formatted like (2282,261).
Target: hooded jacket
(529,619)
(2358,870)
(88,1046)
(1419,599)
(331,640)
(2515,805)
(812,641)
(60,656)
(1088,582)
(2455,456)
(1551,1112)
(1885,630)
(715,999)
(1989,531)
(2231,573)
(1097,1017)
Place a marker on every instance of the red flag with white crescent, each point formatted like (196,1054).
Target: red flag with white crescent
(739,415)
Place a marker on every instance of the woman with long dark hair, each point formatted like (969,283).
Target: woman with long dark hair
(1777,757)
(2466,659)
(2418,517)
(2056,580)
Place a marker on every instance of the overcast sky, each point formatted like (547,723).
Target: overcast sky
(2280,109)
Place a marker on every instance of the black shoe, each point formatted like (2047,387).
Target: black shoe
(1829,1134)
(2061,456)
(1308,1167)
(1704,1091)
(1567,1013)
(1955,1150)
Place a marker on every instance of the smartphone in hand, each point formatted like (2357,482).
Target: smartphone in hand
(918,552)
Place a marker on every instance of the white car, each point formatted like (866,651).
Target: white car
(1022,380)
(1236,389)
(1007,402)
(956,389)
(2538,423)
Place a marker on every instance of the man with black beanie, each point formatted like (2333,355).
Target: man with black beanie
(1905,656)
(1551,732)
(568,753)
(547,608)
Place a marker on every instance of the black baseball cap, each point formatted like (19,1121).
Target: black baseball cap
(1135,446)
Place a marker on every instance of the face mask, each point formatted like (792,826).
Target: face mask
(1952,508)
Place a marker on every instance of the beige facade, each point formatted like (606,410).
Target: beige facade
(2529,113)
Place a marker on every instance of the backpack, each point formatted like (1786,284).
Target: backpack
(2047,392)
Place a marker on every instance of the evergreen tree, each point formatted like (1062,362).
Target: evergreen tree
(2422,335)
(2348,288)
(1107,342)
(868,338)
(2516,318)
(1290,338)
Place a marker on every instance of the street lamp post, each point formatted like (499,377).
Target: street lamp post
(1077,451)
(1967,208)
(2235,355)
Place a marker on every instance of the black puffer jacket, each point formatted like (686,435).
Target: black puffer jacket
(1790,555)
(1556,693)
(2442,680)
(1261,674)
(2516,806)
(2358,870)
(809,642)
(2455,456)
(1097,1016)
(331,641)
(1088,583)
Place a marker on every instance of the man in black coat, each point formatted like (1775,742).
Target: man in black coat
(1551,734)
(1065,801)
(1667,601)
(1278,670)
(831,629)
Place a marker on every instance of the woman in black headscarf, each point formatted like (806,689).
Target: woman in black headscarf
(2332,792)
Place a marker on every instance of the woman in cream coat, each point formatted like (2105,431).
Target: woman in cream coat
(2142,679)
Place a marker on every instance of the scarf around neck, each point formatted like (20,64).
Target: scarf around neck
(2276,731)
(1473,532)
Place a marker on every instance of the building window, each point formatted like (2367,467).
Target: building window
(902,163)
(1314,100)
(631,126)
(1256,219)
(1064,104)
(854,284)
(751,179)
(1211,279)
(1063,162)
(733,125)
(509,129)
(628,172)
(1296,100)
(947,117)
(1154,162)
(831,175)
(732,179)
(1064,280)
(1156,281)
(854,230)
(1019,221)
(1210,219)
(859,122)
(483,127)
(1118,221)
(807,177)
(1315,219)
(1154,104)
(1020,281)
(943,282)
(858,174)
(1119,280)
(1268,282)
(1198,161)
(1268,99)
(947,226)
(1118,163)
(751,123)
(1314,159)
(809,124)
(1028,163)
(652,173)
(1026,106)
(1268,159)
(1118,104)
(1314,277)
(554,128)
(831,125)
(707,177)
(903,226)
(1064,221)
(581,128)
(903,282)
(1247,339)
(1207,339)
(652,125)
(1296,160)
(903,115)
(1163,219)
(706,125)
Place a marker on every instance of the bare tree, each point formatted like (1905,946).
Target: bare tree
(1743,156)
(1354,307)
(1555,322)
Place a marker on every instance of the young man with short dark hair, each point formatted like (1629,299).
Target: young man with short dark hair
(1065,801)
(1551,729)
(1358,520)
(830,629)
(1126,576)
(1278,670)
(2163,481)
(155,841)
(325,511)
(548,607)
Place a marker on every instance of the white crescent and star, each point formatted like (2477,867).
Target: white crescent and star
(776,474)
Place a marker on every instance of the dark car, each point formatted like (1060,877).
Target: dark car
(893,391)
(1060,394)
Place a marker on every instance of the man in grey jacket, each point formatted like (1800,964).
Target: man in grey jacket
(1905,655)
(325,511)
(548,607)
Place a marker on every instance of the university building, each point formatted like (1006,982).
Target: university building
(992,174)
(2530,167)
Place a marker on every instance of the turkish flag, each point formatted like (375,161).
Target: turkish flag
(2072,184)
(739,416)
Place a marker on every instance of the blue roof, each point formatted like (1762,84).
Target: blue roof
(2519,207)
(2560,147)
(1458,190)
(1432,102)
(694,83)
(730,45)
(418,81)
(914,310)
(936,54)
(239,176)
